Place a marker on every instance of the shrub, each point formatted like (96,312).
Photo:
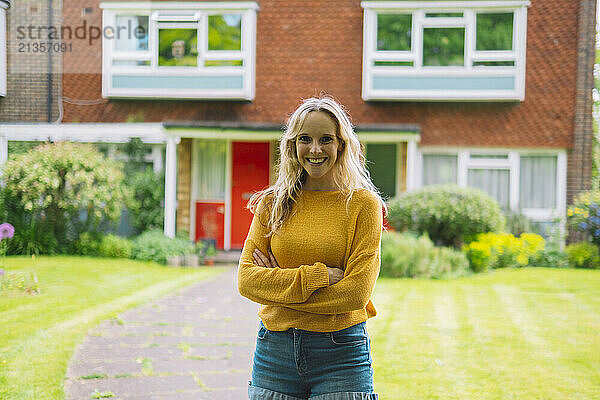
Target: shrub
(146,201)
(155,246)
(87,244)
(405,255)
(115,246)
(32,234)
(583,255)
(517,223)
(500,250)
(584,214)
(550,257)
(449,214)
(56,191)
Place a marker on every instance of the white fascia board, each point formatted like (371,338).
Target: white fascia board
(185,5)
(443,4)
(85,132)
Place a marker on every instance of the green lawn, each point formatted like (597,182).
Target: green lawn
(38,333)
(528,333)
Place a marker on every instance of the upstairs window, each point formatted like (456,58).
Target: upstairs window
(180,50)
(432,50)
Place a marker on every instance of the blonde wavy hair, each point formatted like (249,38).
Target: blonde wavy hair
(350,172)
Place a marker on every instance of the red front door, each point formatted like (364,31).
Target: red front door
(250,174)
(210,217)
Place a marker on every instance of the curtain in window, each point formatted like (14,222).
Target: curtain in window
(439,169)
(211,169)
(495,182)
(538,182)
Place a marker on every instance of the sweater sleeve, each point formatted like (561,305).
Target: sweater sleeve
(275,285)
(354,291)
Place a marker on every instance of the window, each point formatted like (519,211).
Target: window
(494,31)
(177,47)
(538,182)
(443,47)
(495,182)
(179,50)
(211,169)
(532,182)
(432,50)
(394,32)
(4,4)
(439,169)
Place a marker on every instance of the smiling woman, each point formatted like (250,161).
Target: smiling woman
(311,259)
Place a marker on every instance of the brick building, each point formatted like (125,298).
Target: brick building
(489,94)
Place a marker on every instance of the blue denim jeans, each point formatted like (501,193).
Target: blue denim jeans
(297,364)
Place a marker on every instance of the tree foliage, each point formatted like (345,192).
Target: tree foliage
(146,201)
(58,190)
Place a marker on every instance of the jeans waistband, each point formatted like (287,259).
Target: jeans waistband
(292,330)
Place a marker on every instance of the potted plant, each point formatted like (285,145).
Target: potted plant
(200,250)
(210,255)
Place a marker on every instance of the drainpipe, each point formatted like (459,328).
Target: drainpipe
(4,5)
(49,107)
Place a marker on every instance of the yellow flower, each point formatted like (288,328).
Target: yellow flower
(522,259)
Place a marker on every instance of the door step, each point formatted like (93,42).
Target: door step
(228,257)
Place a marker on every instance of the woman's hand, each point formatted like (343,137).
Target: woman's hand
(335,275)
(262,261)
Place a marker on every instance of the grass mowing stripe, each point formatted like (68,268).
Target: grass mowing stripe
(540,356)
(390,363)
(490,350)
(468,358)
(591,315)
(424,345)
(446,331)
(574,348)
(37,366)
(521,318)
(492,353)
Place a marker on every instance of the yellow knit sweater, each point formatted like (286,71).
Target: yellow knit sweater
(321,232)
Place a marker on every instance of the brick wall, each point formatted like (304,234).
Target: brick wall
(305,47)
(27,70)
(184,179)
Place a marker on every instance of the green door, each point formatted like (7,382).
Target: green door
(381,162)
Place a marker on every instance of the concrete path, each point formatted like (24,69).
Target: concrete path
(195,344)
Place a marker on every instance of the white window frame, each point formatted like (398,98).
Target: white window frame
(190,15)
(418,10)
(4,5)
(511,163)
